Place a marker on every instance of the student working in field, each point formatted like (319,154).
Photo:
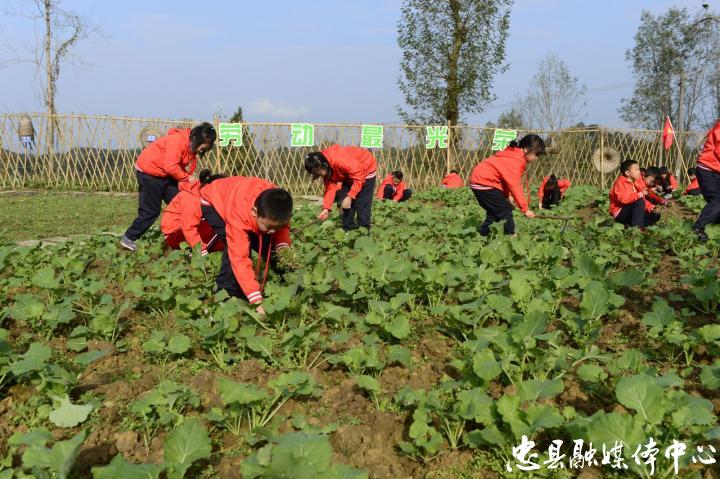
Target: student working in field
(182,219)
(496,178)
(693,188)
(159,168)
(247,213)
(708,176)
(627,197)
(394,188)
(349,174)
(666,183)
(551,191)
(453,180)
(648,183)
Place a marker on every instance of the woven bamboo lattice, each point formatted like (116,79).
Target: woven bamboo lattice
(98,152)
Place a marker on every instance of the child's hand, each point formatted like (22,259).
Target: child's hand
(324,214)
(530,214)
(346,203)
(260,310)
(192,178)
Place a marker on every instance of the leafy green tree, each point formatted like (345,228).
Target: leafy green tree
(674,65)
(451,52)
(511,119)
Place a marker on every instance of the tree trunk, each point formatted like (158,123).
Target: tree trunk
(452,108)
(50,89)
(680,130)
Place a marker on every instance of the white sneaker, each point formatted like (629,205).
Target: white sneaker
(127,243)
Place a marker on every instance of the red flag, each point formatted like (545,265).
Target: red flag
(668,134)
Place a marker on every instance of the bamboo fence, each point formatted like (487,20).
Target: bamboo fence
(97,153)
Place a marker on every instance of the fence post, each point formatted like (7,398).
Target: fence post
(217,143)
(448,155)
(602,157)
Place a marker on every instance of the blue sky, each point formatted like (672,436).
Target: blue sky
(313,60)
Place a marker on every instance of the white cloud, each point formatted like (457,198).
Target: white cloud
(263,106)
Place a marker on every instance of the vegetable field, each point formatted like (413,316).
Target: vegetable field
(420,350)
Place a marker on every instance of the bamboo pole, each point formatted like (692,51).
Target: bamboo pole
(216,123)
(602,156)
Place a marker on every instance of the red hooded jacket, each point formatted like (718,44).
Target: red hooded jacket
(563,184)
(184,213)
(348,163)
(399,188)
(453,180)
(651,197)
(694,185)
(169,156)
(233,198)
(502,171)
(709,158)
(673,181)
(625,192)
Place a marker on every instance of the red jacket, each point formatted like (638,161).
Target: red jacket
(399,189)
(233,198)
(651,197)
(562,184)
(169,156)
(694,185)
(709,158)
(184,213)
(348,163)
(673,181)
(453,180)
(502,171)
(625,192)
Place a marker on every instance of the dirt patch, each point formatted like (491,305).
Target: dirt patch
(371,446)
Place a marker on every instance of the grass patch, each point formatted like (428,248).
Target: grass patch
(50,214)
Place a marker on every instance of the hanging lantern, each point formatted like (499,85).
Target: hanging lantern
(148,135)
(26,131)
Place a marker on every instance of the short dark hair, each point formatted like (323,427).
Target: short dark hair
(275,204)
(552,182)
(316,160)
(626,165)
(397,174)
(203,133)
(691,171)
(206,177)
(532,142)
(454,171)
(664,170)
(653,171)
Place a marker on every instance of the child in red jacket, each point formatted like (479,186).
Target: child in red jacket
(496,178)
(182,219)
(666,182)
(649,181)
(394,188)
(453,180)
(349,174)
(693,188)
(551,191)
(247,214)
(708,175)
(627,197)
(159,168)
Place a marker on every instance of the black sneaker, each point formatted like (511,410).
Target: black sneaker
(701,234)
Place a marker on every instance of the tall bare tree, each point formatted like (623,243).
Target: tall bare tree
(555,99)
(451,52)
(61,31)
